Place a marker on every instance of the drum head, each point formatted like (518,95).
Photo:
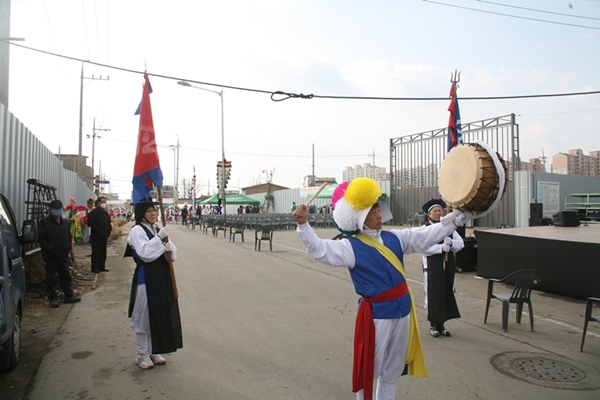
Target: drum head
(460,175)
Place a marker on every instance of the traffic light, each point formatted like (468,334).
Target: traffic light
(221,170)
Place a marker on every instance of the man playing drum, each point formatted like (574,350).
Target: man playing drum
(386,343)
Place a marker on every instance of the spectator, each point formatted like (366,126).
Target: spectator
(99,221)
(54,237)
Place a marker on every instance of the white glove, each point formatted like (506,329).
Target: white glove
(451,217)
(163,233)
(466,216)
(448,241)
(445,248)
(169,246)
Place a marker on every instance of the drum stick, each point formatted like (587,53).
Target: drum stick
(323,186)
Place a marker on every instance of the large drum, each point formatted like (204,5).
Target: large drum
(468,178)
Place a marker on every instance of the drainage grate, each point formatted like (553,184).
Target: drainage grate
(549,370)
(546,370)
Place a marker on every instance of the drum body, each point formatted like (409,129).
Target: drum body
(468,178)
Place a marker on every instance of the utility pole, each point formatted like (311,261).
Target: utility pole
(543,160)
(93,78)
(373,165)
(175,149)
(93,136)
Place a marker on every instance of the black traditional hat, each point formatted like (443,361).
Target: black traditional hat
(433,203)
(141,207)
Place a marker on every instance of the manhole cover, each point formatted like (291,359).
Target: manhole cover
(546,370)
(550,370)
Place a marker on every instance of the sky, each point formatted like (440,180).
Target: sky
(350,48)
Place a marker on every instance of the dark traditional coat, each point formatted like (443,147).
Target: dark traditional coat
(163,307)
(441,303)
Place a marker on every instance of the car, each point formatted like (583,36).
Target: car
(12,282)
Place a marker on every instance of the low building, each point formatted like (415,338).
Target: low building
(261,188)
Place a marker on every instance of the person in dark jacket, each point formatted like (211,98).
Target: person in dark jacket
(54,237)
(99,221)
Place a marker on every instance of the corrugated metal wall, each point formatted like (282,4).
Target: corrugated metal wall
(23,157)
(527,184)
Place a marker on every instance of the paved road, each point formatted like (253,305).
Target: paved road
(277,325)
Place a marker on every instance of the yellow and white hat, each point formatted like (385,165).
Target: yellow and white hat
(352,201)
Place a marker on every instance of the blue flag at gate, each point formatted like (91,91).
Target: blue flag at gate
(146,169)
(455,136)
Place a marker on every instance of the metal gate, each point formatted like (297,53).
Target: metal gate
(415,161)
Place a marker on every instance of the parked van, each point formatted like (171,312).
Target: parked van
(12,283)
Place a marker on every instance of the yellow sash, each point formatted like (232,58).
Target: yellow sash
(414,353)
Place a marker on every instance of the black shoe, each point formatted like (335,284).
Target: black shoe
(96,271)
(104,270)
(443,331)
(72,299)
(434,332)
(53,303)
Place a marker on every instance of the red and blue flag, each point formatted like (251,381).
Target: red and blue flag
(146,170)
(455,136)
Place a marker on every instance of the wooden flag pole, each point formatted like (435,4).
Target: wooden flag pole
(169,255)
(323,186)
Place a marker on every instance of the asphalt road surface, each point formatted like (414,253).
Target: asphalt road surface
(278,325)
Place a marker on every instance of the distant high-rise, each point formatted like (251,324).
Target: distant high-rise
(366,170)
(576,163)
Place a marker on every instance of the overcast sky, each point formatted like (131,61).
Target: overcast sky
(382,48)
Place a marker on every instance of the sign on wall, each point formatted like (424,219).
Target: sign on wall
(549,195)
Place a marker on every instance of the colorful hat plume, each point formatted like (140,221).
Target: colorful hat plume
(352,201)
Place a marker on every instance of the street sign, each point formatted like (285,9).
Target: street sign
(101,182)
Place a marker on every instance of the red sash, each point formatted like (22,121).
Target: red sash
(364,340)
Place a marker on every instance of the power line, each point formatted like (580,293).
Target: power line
(536,10)
(287,95)
(511,15)
(562,112)
(87,39)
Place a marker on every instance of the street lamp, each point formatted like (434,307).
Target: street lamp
(223,177)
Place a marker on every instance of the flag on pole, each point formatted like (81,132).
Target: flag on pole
(146,170)
(137,112)
(455,136)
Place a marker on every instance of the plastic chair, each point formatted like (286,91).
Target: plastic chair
(263,233)
(220,225)
(523,280)
(208,224)
(589,317)
(237,229)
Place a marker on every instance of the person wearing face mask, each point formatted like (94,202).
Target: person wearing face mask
(99,222)
(439,266)
(153,308)
(386,341)
(54,237)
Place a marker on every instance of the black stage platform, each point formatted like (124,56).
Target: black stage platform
(566,258)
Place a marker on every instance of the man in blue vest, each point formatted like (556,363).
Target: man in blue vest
(386,343)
